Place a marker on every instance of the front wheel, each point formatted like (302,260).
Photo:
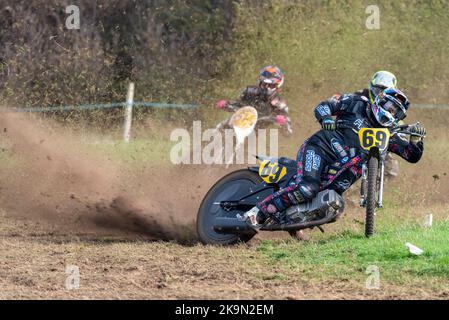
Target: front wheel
(231,187)
(371,199)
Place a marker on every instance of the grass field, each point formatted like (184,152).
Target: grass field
(348,255)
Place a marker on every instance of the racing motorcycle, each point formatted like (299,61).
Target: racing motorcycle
(249,117)
(218,220)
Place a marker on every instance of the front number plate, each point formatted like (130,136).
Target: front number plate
(372,137)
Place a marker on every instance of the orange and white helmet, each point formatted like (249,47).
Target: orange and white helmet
(271,78)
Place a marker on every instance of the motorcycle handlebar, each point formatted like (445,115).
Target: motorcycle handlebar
(402,129)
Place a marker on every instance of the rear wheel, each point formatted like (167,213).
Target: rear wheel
(371,196)
(231,187)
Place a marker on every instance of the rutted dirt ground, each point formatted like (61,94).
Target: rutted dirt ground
(35,257)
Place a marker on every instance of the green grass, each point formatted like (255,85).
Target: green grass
(348,255)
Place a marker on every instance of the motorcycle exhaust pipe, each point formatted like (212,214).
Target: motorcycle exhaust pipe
(302,225)
(232,225)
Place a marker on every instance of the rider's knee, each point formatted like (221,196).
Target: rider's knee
(307,191)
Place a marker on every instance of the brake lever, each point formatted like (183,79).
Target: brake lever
(408,133)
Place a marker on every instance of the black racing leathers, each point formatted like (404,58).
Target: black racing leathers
(333,159)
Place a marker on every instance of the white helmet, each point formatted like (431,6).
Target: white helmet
(379,82)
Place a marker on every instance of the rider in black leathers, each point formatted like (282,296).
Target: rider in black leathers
(266,99)
(337,151)
(380,81)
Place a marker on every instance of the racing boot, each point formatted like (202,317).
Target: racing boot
(254,217)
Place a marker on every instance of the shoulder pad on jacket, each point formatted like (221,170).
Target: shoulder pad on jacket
(354,97)
(335,98)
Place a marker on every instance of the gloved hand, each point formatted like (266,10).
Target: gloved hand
(328,124)
(418,129)
(222,104)
(281,120)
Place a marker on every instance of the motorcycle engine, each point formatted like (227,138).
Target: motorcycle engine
(327,201)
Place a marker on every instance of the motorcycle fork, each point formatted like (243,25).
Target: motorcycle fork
(381,181)
(363,186)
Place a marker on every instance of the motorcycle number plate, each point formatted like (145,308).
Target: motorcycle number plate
(272,172)
(373,137)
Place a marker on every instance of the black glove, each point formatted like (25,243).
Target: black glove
(328,124)
(417,129)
